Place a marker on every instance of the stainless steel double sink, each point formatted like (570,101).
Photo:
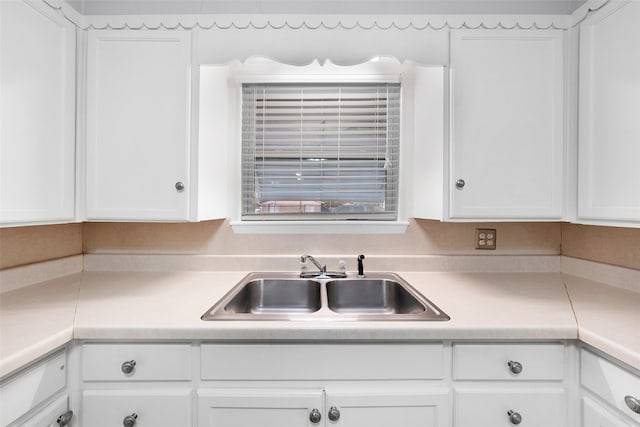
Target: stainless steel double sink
(286,296)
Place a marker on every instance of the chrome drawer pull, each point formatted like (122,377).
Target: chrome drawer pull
(334,414)
(128,366)
(130,420)
(632,403)
(514,367)
(65,418)
(315,416)
(514,417)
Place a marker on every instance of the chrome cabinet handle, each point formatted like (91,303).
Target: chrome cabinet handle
(632,403)
(128,366)
(130,420)
(179,186)
(514,417)
(315,416)
(334,414)
(514,367)
(65,418)
(460,183)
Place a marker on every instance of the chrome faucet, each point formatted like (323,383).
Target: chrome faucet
(322,272)
(322,269)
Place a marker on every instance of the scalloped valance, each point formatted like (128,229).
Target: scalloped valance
(311,22)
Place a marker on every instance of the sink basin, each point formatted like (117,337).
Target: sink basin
(286,296)
(276,296)
(383,296)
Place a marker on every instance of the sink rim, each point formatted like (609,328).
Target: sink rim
(218,312)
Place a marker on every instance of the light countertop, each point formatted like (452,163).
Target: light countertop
(36,319)
(167,306)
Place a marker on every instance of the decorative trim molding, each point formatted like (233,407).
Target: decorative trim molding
(309,22)
(65,10)
(253,22)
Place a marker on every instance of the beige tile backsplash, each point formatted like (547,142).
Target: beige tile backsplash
(25,245)
(610,245)
(422,237)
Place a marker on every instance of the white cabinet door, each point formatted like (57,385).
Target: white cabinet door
(596,415)
(138,123)
(260,407)
(32,387)
(50,415)
(506,124)
(609,151)
(382,407)
(37,136)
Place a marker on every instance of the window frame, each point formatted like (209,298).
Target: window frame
(390,191)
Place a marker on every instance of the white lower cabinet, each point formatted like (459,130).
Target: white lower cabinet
(508,406)
(36,396)
(510,384)
(382,406)
(263,407)
(56,414)
(362,406)
(348,385)
(608,385)
(141,385)
(151,407)
(509,362)
(340,384)
(595,414)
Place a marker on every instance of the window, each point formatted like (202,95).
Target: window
(320,151)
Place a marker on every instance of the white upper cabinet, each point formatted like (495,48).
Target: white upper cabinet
(506,125)
(138,125)
(609,131)
(37,137)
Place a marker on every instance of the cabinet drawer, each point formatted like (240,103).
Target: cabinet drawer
(322,361)
(498,362)
(491,407)
(594,415)
(148,362)
(29,388)
(609,381)
(150,408)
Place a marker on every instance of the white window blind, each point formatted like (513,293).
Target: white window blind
(320,151)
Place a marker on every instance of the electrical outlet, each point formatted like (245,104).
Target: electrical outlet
(486,238)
